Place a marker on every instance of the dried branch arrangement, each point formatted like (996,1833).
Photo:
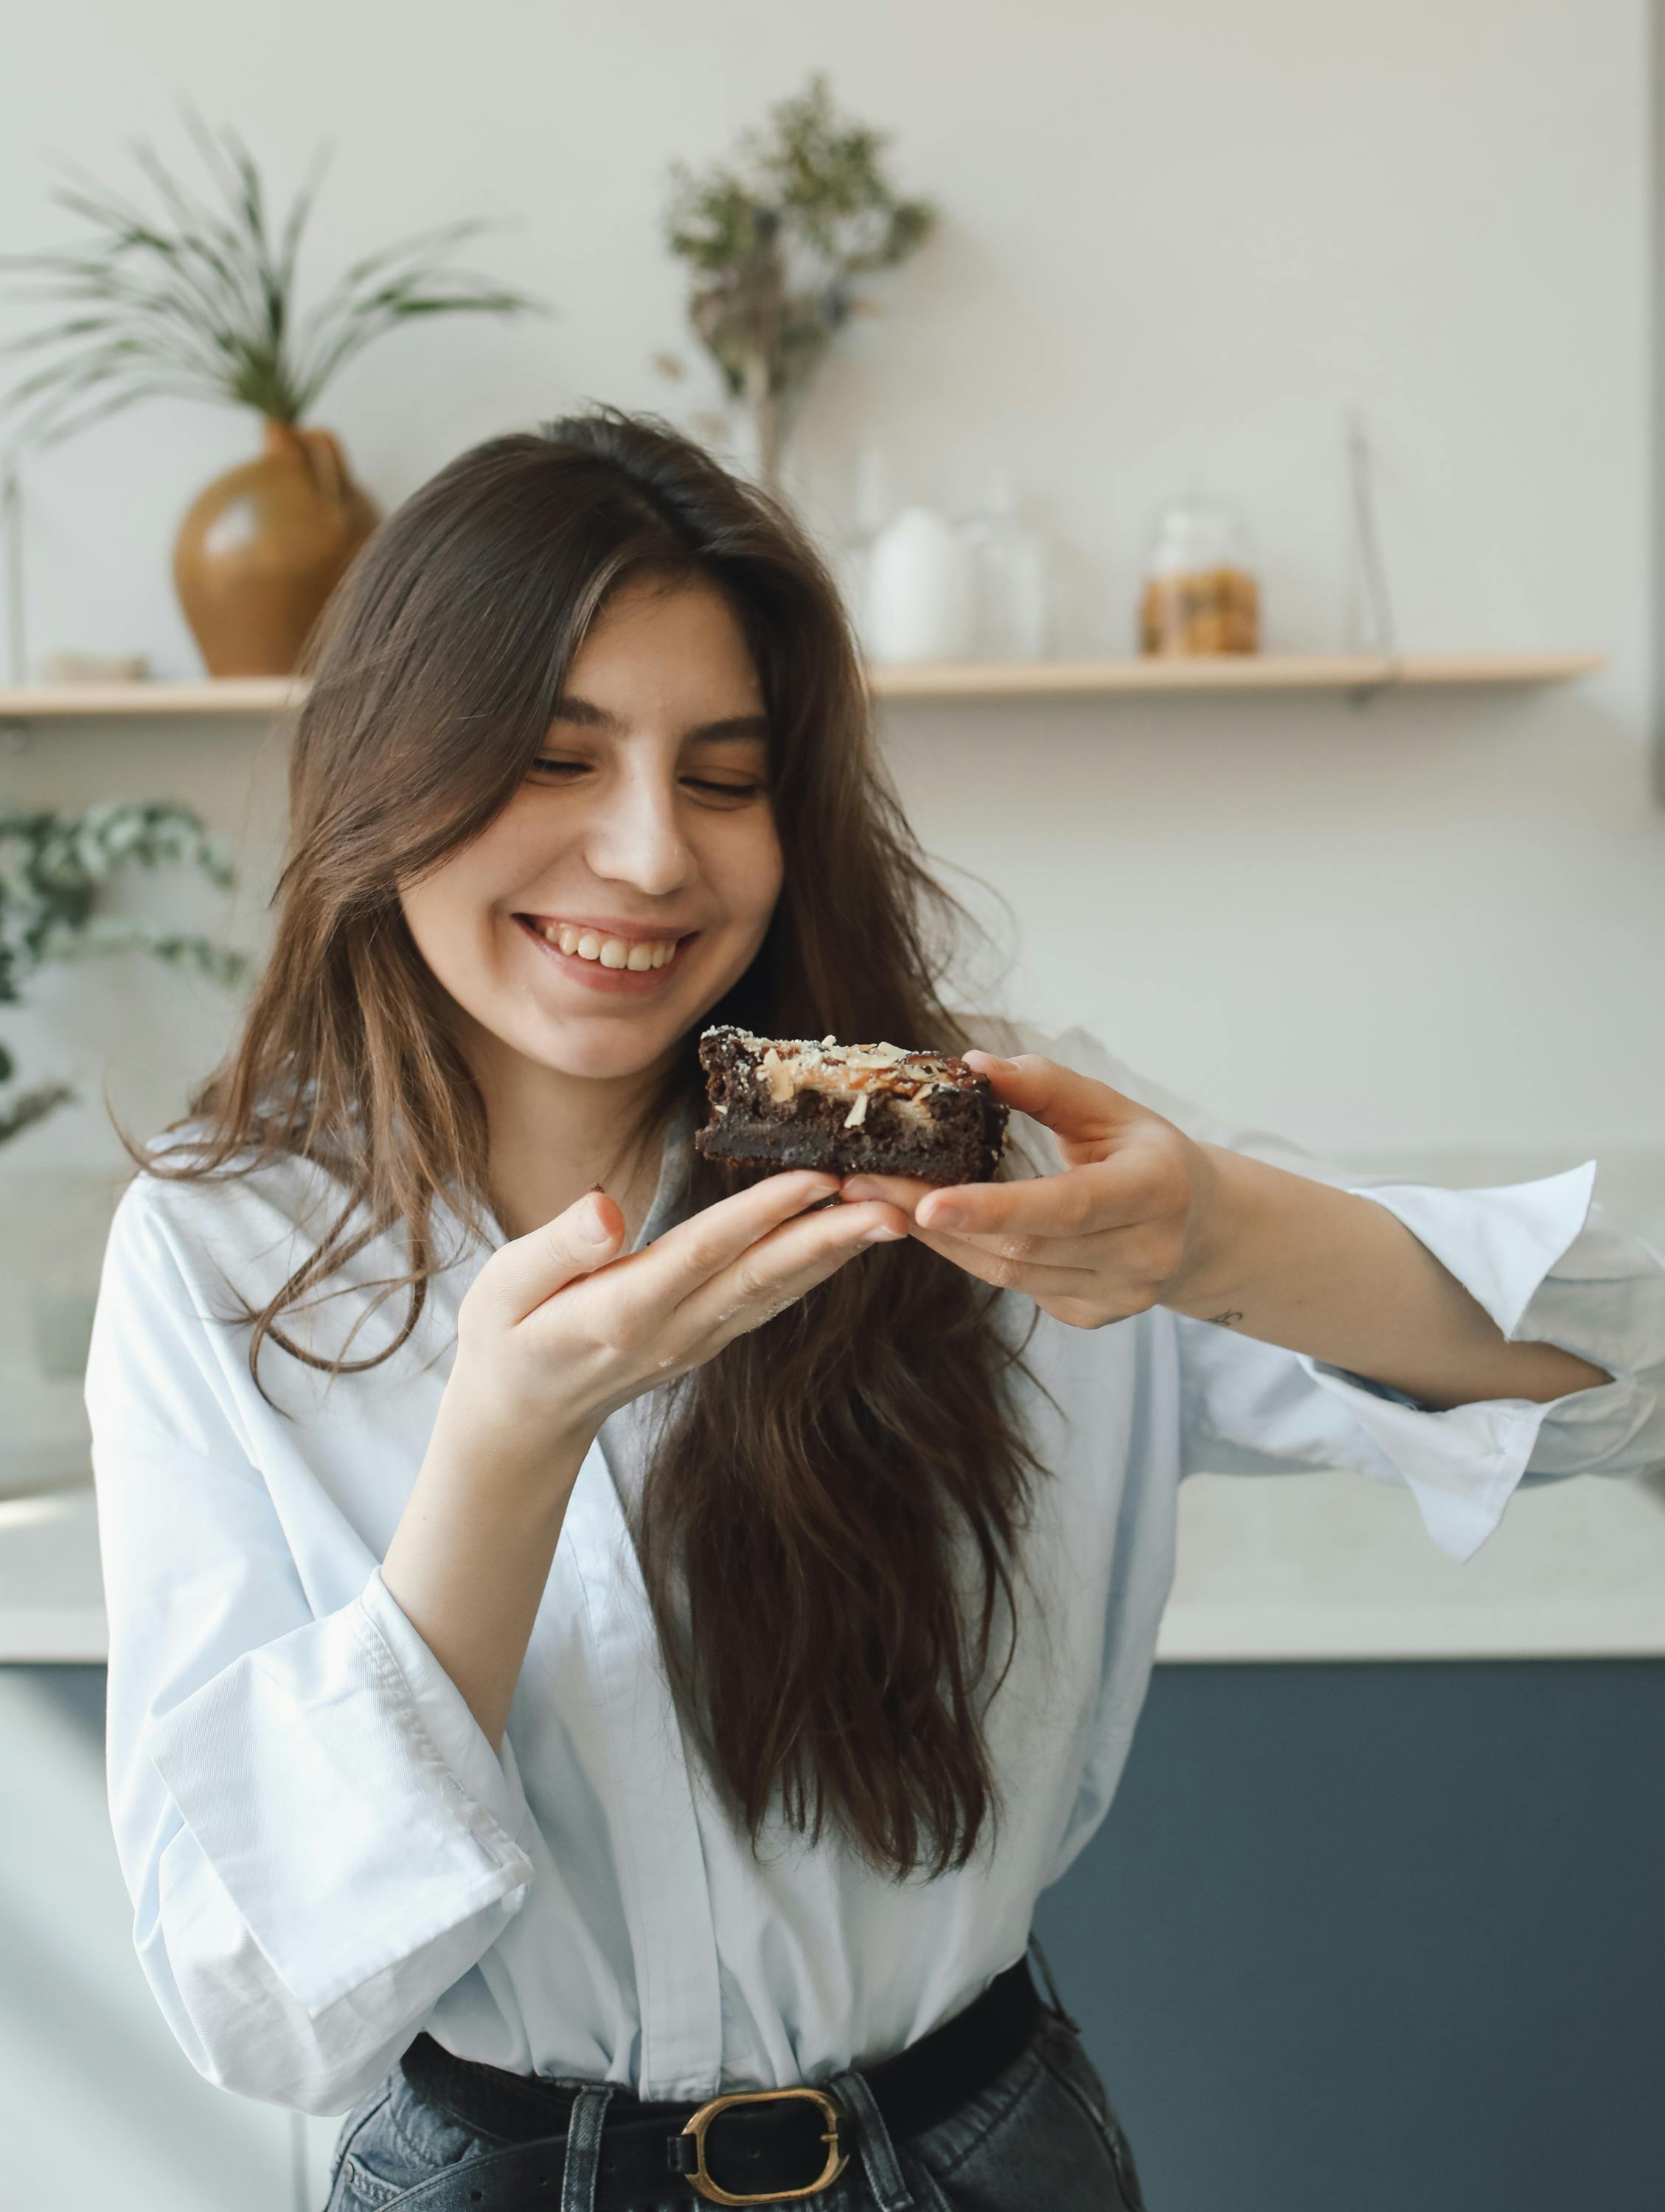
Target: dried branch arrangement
(777,243)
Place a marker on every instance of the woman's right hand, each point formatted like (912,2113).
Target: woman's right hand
(557,1331)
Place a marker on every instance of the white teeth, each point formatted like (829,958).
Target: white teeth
(636,954)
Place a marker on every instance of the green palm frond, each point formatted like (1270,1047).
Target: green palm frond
(197,297)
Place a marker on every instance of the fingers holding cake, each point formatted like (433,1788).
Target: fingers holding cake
(687,1257)
(779,1268)
(560,1330)
(772,1228)
(1098,1242)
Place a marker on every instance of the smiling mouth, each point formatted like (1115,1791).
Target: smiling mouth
(580,941)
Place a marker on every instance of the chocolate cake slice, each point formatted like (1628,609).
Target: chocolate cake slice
(780,1103)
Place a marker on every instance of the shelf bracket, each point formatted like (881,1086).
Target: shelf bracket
(1360,696)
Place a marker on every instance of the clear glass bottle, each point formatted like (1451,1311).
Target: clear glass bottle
(1013,592)
(1200,594)
(872,505)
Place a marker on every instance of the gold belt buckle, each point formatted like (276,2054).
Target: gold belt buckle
(837,2159)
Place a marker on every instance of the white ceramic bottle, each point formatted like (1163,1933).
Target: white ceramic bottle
(920,600)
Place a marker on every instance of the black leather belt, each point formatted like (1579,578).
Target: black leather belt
(752,2147)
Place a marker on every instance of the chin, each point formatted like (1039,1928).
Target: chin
(602,1049)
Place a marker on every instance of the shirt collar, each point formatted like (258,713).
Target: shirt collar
(676,1164)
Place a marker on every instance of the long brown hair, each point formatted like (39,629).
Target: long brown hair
(816,1493)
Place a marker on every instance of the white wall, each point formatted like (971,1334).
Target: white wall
(1181,238)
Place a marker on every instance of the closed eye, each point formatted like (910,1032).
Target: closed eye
(737,792)
(710,790)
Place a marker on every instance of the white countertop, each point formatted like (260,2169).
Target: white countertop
(1280,1567)
(1336,1566)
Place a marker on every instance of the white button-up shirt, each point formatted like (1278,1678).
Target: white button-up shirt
(324,1853)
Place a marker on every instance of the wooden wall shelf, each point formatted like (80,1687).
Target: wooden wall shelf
(88,703)
(968,679)
(1237,673)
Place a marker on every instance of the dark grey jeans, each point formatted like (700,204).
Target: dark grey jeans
(1042,2137)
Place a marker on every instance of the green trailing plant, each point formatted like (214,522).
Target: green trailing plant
(777,242)
(53,869)
(197,296)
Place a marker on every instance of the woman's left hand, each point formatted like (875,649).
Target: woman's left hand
(1118,1232)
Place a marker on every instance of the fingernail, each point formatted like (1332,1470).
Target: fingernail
(882,1233)
(592,1224)
(858,1187)
(992,1059)
(946,1217)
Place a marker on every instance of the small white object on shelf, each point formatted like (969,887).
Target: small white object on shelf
(95,667)
(919,601)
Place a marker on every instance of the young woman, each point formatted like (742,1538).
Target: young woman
(584,1645)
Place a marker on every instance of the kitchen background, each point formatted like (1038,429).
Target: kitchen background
(1378,1919)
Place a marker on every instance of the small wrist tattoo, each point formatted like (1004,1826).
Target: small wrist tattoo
(1224,1320)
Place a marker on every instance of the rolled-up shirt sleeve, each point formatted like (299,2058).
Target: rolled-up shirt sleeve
(318,1837)
(1549,1268)
(1542,1258)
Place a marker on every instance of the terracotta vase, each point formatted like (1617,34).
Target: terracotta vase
(262,548)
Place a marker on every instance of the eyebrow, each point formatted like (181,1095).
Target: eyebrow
(586,711)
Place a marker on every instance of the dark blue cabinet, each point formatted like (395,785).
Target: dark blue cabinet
(1368,1937)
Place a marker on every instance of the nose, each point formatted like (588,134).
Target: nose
(636,837)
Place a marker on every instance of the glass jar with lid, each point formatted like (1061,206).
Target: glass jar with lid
(1200,594)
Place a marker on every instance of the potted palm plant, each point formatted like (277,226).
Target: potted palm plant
(198,296)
